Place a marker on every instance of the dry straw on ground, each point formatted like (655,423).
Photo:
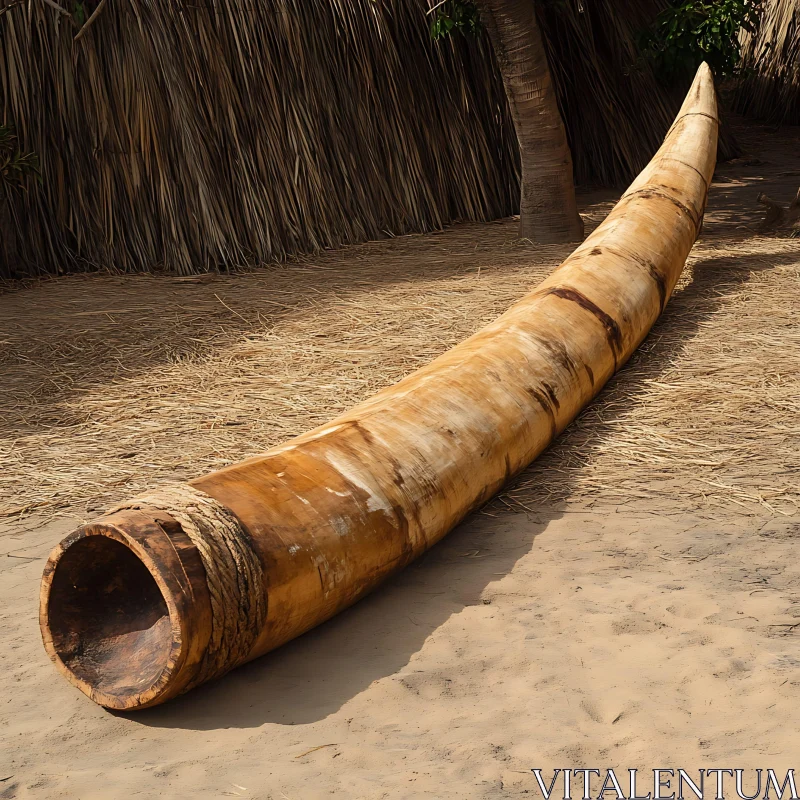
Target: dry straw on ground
(115,384)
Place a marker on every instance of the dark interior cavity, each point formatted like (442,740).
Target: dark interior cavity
(108,619)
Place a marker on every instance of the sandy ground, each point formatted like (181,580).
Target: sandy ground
(632,601)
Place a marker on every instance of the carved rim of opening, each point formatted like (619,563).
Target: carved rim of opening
(153,689)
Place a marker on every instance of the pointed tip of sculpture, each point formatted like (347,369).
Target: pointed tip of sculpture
(703,81)
(704,71)
(702,96)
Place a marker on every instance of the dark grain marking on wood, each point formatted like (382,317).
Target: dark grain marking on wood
(551,393)
(360,495)
(650,192)
(661,284)
(542,400)
(367,436)
(402,517)
(690,114)
(559,354)
(652,270)
(402,522)
(399,481)
(613,333)
(699,113)
(687,164)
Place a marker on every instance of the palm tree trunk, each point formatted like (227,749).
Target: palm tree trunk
(548,211)
(8,240)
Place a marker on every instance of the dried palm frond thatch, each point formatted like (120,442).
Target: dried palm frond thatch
(192,136)
(615,111)
(771,87)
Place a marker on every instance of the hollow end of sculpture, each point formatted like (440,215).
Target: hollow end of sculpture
(109,620)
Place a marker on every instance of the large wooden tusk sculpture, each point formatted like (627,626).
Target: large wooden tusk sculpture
(180,586)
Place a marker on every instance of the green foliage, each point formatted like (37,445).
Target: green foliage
(455,15)
(692,31)
(15,166)
(79,13)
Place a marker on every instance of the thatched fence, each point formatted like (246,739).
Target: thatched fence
(771,88)
(214,134)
